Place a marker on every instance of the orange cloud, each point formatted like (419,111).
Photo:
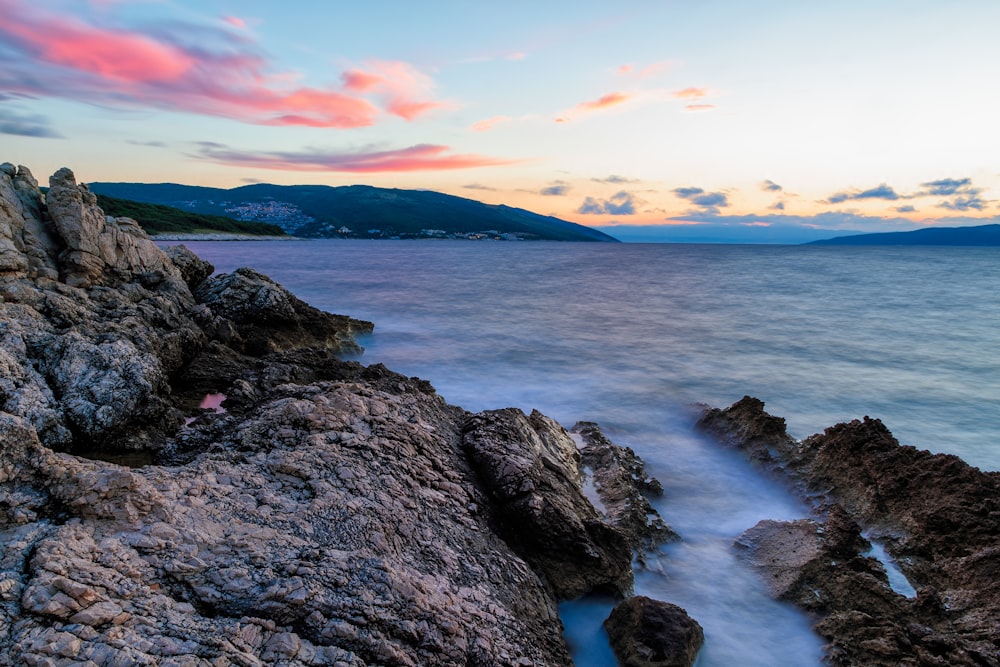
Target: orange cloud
(699,107)
(422,157)
(489,123)
(603,102)
(691,93)
(221,74)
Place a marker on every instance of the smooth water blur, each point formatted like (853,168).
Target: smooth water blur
(631,335)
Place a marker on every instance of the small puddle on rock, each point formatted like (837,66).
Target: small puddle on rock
(210,402)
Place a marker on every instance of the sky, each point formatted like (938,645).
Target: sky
(686,120)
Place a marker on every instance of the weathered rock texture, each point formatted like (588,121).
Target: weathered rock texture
(650,633)
(530,467)
(332,515)
(624,488)
(940,519)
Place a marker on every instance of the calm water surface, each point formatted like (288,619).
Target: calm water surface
(632,335)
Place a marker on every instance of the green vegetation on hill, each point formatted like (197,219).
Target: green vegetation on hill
(160,219)
(360,211)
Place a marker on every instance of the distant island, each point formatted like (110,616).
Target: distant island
(356,211)
(980,235)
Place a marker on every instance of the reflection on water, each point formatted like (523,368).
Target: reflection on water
(630,335)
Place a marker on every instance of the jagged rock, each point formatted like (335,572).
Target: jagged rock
(940,518)
(622,484)
(530,466)
(331,514)
(650,633)
(269,318)
(193,269)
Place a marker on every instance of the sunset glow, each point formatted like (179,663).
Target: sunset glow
(841,109)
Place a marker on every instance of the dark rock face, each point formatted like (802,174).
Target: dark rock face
(530,468)
(269,318)
(622,484)
(938,515)
(333,514)
(194,270)
(650,633)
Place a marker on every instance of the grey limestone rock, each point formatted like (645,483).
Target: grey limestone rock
(622,484)
(193,269)
(332,514)
(269,318)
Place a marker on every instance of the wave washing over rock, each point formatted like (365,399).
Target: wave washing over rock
(330,514)
(938,517)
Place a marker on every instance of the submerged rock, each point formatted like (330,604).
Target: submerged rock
(940,519)
(649,633)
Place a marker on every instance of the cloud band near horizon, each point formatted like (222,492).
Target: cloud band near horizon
(421,157)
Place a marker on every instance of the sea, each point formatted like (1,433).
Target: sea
(637,336)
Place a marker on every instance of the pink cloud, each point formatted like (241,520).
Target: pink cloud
(221,74)
(403,90)
(422,157)
(699,107)
(652,69)
(489,123)
(112,54)
(236,22)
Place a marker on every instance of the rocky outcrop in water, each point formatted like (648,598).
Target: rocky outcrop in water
(650,633)
(328,514)
(624,488)
(939,518)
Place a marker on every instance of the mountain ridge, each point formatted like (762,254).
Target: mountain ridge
(978,235)
(358,211)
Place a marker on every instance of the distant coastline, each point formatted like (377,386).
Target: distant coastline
(193,236)
(980,235)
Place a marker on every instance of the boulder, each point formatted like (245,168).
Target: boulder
(650,633)
(530,466)
(194,270)
(269,318)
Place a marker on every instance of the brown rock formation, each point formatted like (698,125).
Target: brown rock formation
(622,484)
(650,633)
(938,515)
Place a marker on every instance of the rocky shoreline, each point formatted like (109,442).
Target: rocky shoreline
(329,513)
(938,517)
